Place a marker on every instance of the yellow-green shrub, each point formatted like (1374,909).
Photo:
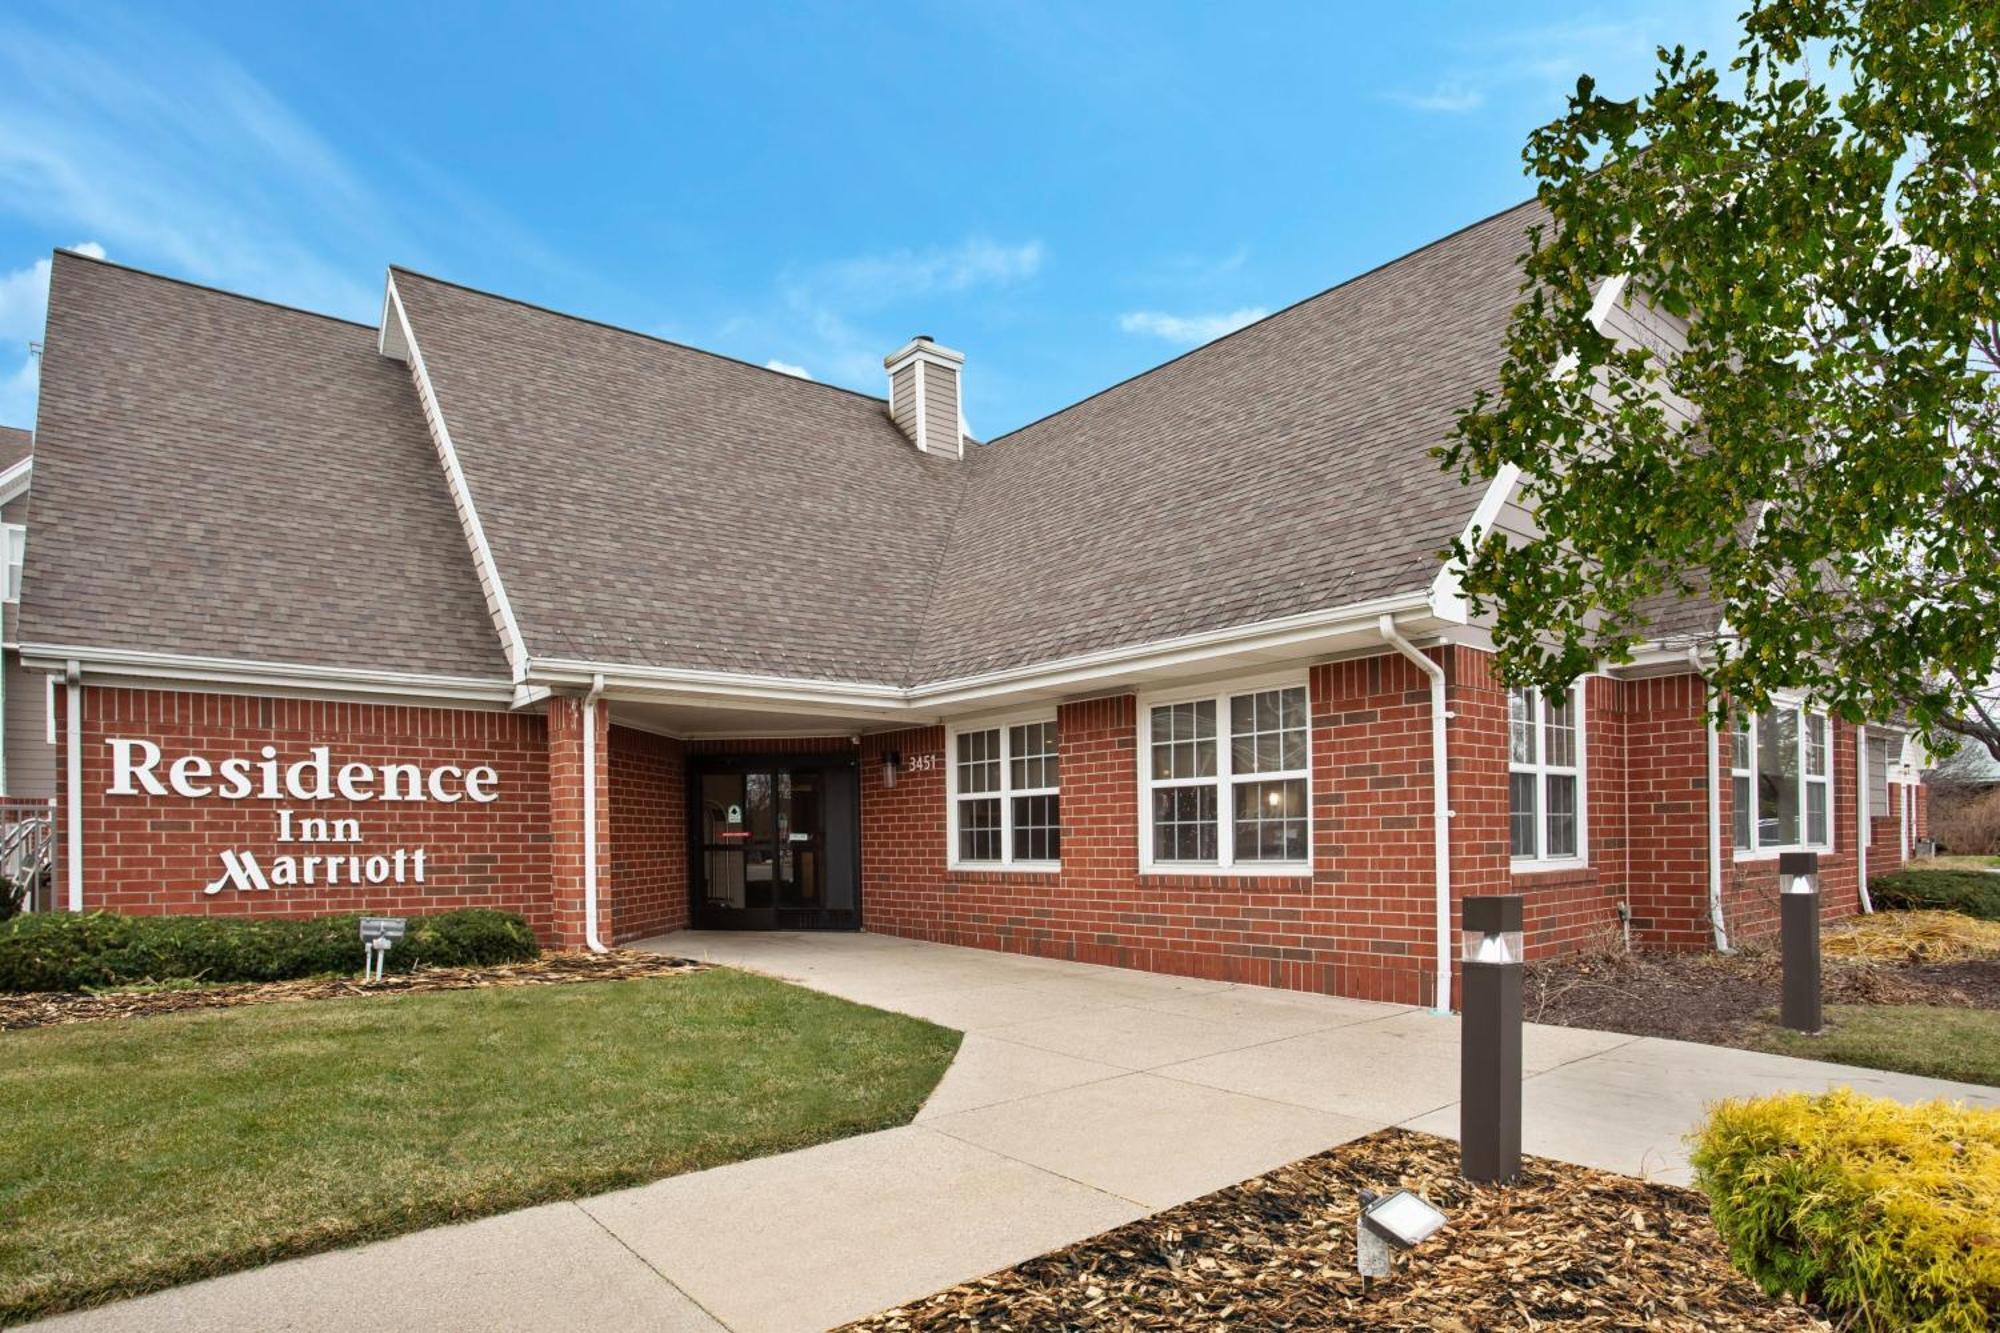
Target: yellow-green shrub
(1881,1211)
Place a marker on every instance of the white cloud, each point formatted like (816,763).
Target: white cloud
(787,368)
(1449,97)
(1189,329)
(24,307)
(906,274)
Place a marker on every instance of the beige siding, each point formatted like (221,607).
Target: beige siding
(1636,322)
(15,510)
(941,410)
(903,399)
(31,760)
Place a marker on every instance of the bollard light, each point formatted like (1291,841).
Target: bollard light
(1489,1051)
(1798,927)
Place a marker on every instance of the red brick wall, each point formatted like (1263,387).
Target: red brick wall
(148,854)
(1666,806)
(1359,924)
(649,823)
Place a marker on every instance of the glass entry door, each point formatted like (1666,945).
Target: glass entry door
(776,844)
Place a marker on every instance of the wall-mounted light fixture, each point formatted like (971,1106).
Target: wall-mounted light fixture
(1798,934)
(892,764)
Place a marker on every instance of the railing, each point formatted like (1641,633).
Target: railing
(27,853)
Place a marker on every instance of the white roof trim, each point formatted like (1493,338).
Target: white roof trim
(483,563)
(108,665)
(866,699)
(14,481)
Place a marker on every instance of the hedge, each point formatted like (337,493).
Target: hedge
(1886,1215)
(59,951)
(1973,892)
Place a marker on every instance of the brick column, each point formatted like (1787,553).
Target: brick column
(566,823)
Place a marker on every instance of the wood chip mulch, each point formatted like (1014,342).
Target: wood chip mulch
(45,1009)
(1566,1247)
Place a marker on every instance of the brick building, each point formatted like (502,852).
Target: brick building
(488,605)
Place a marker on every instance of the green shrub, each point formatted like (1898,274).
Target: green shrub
(1973,892)
(57,951)
(1885,1214)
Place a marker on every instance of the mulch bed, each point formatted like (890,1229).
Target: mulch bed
(44,1009)
(1566,1247)
(1722,999)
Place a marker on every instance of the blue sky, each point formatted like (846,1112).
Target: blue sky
(1068,194)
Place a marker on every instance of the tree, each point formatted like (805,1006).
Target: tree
(1822,210)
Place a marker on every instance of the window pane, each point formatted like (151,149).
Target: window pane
(1184,824)
(1267,731)
(1521,813)
(1815,745)
(1559,733)
(1521,726)
(1037,830)
(1739,742)
(1562,815)
(978,761)
(1033,748)
(979,829)
(1778,779)
(1816,813)
(1739,789)
(1270,820)
(1184,740)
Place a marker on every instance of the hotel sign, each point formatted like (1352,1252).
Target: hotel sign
(136,770)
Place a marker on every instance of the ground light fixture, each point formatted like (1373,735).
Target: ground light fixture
(1798,926)
(1389,1223)
(1489,1039)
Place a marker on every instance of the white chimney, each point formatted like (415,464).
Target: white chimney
(923,395)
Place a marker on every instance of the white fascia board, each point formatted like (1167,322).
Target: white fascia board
(14,481)
(1447,597)
(174,671)
(484,565)
(912,703)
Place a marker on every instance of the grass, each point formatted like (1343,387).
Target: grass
(1957,863)
(145,1153)
(1939,1042)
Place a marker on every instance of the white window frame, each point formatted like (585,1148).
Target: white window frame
(14,546)
(1540,861)
(1225,779)
(1760,851)
(1006,792)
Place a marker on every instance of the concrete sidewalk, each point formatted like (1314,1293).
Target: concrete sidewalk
(1082,1097)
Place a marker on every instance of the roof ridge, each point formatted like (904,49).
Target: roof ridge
(1275,314)
(211,289)
(634,333)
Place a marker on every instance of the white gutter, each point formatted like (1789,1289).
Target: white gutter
(1716,925)
(73,781)
(1440,804)
(590,937)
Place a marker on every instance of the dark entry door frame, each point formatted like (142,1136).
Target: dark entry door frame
(774,842)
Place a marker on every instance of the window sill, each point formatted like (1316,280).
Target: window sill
(1567,866)
(1265,870)
(999,868)
(1773,853)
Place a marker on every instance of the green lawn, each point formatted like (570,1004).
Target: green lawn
(143,1153)
(1960,1044)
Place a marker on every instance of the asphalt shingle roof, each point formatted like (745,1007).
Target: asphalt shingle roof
(218,477)
(15,445)
(225,478)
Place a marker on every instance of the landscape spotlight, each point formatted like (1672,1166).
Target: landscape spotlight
(1390,1222)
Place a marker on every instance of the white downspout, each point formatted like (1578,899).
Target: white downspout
(73,781)
(590,937)
(1440,805)
(1715,922)
(1863,823)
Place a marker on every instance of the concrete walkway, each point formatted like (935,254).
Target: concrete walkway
(1082,1097)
